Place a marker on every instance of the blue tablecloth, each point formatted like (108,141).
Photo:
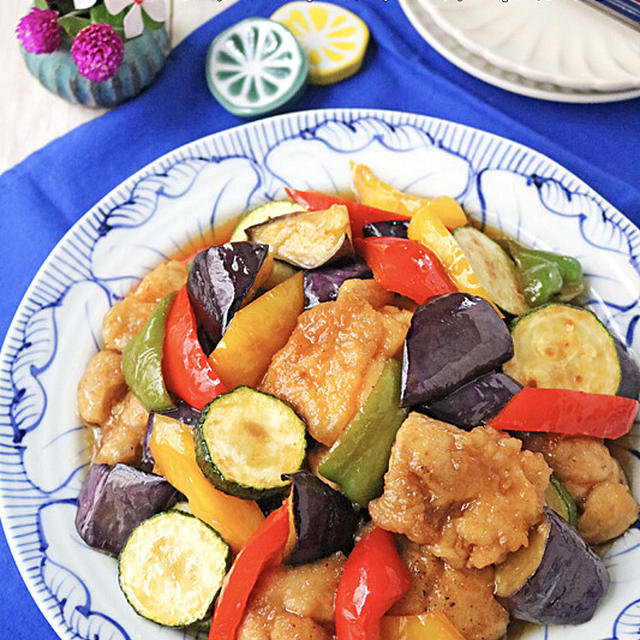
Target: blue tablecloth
(44,195)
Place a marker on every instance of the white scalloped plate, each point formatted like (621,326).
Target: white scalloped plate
(56,329)
(478,66)
(563,42)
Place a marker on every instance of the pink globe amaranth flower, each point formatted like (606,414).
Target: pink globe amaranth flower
(39,31)
(97,51)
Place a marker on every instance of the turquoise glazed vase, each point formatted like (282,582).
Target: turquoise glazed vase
(143,60)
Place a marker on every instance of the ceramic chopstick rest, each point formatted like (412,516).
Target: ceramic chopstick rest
(334,38)
(255,67)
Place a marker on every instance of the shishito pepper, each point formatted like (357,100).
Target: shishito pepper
(265,549)
(185,366)
(359,458)
(373,579)
(259,329)
(433,625)
(544,274)
(142,360)
(405,267)
(375,193)
(175,459)
(572,413)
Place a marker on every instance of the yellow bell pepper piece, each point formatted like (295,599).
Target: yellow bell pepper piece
(256,332)
(425,626)
(175,459)
(375,193)
(428,230)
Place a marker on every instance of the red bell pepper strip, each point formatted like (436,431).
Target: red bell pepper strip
(573,413)
(406,267)
(359,214)
(186,369)
(264,549)
(374,577)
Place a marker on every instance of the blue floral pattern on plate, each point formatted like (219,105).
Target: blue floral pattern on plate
(43,449)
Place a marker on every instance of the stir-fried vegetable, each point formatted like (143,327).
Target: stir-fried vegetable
(260,328)
(264,549)
(422,626)
(359,214)
(142,360)
(187,371)
(360,457)
(374,578)
(372,191)
(572,413)
(174,454)
(543,274)
(405,267)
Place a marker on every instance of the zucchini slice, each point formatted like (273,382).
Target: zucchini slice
(561,501)
(246,440)
(171,568)
(262,214)
(559,346)
(494,268)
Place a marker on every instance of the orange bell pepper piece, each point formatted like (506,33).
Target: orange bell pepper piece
(424,626)
(175,459)
(375,193)
(256,332)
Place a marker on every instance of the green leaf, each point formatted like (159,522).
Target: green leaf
(41,4)
(100,15)
(73,24)
(150,23)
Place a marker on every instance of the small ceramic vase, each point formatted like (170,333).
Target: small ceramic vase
(143,60)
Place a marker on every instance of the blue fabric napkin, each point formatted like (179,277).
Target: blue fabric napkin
(44,195)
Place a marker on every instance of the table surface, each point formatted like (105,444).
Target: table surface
(36,116)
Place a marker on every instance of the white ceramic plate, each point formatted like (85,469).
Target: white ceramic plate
(478,66)
(564,42)
(57,326)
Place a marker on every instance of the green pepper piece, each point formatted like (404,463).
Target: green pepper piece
(544,275)
(142,360)
(360,457)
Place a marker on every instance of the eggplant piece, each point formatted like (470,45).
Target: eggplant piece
(182,412)
(322,284)
(387,228)
(453,338)
(220,280)
(324,520)
(476,402)
(115,500)
(629,386)
(307,239)
(557,579)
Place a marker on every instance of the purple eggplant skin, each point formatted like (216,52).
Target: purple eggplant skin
(476,402)
(115,500)
(567,585)
(182,412)
(386,229)
(322,284)
(453,338)
(219,280)
(325,520)
(629,373)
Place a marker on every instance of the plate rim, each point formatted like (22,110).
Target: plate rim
(494,75)
(321,116)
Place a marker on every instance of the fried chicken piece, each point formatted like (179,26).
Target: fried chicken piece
(470,497)
(335,356)
(595,480)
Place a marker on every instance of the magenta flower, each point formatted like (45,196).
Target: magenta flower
(39,31)
(97,51)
